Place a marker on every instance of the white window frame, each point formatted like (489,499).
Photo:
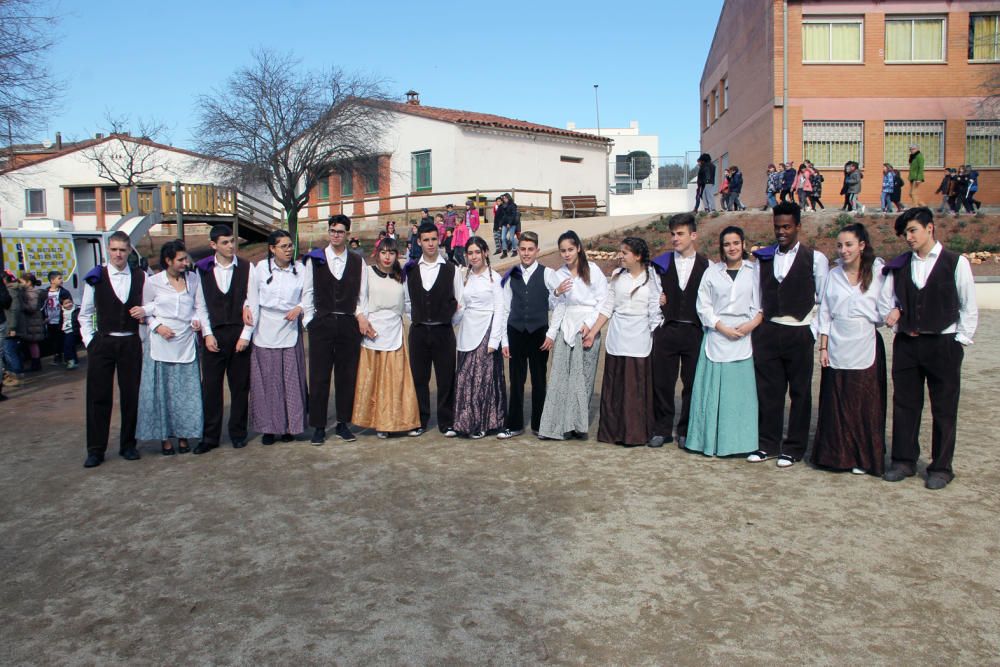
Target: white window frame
(715,102)
(27,203)
(889,125)
(994,142)
(74,192)
(820,124)
(118,193)
(859,20)
(725,94)
(911,18)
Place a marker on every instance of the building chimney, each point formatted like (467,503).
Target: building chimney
(413,97)
(58,141)
(99,135)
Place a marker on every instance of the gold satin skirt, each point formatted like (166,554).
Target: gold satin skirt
(384,396)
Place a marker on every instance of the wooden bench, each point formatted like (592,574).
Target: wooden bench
(580,204)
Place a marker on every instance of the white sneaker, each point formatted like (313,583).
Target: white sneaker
(785,461)
(757,457)
(382,435)
(507,434)
(478,436)
(417,432)
(857,471)
(450,433)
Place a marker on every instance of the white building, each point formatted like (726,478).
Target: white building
(67,184)
(432,156)
(621,176)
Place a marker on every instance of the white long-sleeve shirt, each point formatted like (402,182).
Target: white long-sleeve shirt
(482,312)
(920,269)
(733,302)
(224,280)
(579,306)
(175,310)
(270,302)
(849,318)
(632,306)
(384,309)
(121,283)
(428,276)
(783,264)
(336,264)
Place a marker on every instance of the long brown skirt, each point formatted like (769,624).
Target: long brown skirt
(850,432)
(626,400)
(384,397)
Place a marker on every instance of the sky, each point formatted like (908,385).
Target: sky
(536,61)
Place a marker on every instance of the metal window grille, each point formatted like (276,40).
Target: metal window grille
(833,143)
(982,143)
(928,135)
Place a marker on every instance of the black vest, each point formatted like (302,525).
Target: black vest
(225,309)
(933,308)
(796,294)
(529,304)
(437,304)
(681,304)
(337,296)
(112,314)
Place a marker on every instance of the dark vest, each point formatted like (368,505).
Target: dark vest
(337,296)
(112,314)
(529,304)
(933,308)
(796,294)
(437,304)
(681,304)
(225,309)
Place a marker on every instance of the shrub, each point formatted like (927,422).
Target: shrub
(716,213)
(843,220)
(960,244)
(660,225)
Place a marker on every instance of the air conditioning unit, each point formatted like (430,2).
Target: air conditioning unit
(46,225)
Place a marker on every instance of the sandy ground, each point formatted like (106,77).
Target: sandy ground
(435,551)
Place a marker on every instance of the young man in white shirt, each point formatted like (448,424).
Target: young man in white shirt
(433,292)
(929,299)
(335,287)
(792,278)
(109,326)
(527,289)
(677,343)
(224,283)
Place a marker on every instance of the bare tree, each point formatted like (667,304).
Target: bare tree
(276,123)
(127,157)
(28,92)
(989,106)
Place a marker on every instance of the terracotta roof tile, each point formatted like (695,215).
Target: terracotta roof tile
(460,117)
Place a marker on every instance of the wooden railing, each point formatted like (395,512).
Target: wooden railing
(195,199)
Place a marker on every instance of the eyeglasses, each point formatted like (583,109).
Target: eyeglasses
(338,231)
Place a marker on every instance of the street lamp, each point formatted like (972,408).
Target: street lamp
(597,107)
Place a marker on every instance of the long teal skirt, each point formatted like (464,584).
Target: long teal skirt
(723,408)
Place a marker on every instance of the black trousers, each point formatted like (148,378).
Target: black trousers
(55,334)
(783,362)
(334,347)
(936,360)
(526,355)
(229,364)
(676,346)
(106,357)
(434,346)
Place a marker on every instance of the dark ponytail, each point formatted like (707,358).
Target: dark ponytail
(582,265)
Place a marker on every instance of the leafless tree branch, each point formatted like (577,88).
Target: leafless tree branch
(121,159)
(274,122)
(28,91)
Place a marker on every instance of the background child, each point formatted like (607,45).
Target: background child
(68,325)
(53,314)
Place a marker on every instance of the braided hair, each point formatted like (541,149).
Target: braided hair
(480,243)
(636,246)
(272,240)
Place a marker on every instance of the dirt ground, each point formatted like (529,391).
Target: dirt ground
(435,551)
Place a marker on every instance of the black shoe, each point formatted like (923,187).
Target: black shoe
(344,431)
(183,449)
(897,472)
(319,436)
(937,481)
(167,451)
(203,448)
(287,437)
(268,439)
(239,444)
(93,460)
(130,454)
(657,441)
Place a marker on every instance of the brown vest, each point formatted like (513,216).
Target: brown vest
(331,295)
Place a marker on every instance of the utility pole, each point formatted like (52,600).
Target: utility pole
(597,107)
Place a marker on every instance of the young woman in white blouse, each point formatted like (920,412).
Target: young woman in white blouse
(581,292)
(277,362)
(384,396)
(480,388)
(632,305)
(723,418)
(850,433)
(170,389)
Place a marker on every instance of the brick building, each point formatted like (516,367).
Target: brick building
(833,81)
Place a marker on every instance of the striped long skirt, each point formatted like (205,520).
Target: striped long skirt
(570,389)
(278,389)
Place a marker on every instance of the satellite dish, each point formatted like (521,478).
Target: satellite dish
(46,143)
